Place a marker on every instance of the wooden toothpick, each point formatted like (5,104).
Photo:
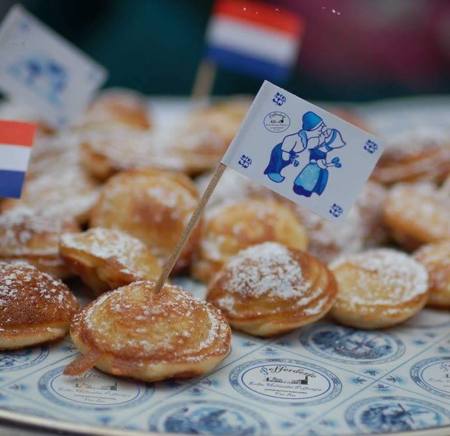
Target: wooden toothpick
(172,260)
(204,80)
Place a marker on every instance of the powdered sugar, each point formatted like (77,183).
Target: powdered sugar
(398,277)
(106,244)
(266,269)
(22,282)
(20,225)
(158,325)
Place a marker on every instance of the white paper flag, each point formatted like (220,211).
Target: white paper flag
(40,68)
(303,152)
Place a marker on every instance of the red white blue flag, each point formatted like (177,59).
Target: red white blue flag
(254,38)
(16,139)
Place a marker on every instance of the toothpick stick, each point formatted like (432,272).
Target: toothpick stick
(204,80)
(170,263)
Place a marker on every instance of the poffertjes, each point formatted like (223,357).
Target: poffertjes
(269,289)
(33,237)
(106,259)
(69,192)
(378,288)
(118,107)
(417,215)
(34,306)
(134,332)
(416,154)
(436,259)
(231,227)
(153,206)
(362,228)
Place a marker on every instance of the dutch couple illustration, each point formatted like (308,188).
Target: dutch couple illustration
(317,139)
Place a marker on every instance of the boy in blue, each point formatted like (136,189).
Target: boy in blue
(287,151)
(319,140)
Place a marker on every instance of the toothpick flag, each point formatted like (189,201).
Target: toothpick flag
(41,69)
(255,38)
(303,152)
(16,139)
(298,150)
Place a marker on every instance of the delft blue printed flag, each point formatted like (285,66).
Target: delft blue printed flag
(41,69)
(303,152)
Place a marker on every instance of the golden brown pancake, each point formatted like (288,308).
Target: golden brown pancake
(231,227)
(378,288)
(417,215)
(269,289)
(436,259)
(153,206)
(107,259)
(33,237)
(363,227)
(134,332)
(418,154)
(68,192)
(118,107)
(34,306)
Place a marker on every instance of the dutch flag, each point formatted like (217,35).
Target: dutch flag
(16,139)
(254,38)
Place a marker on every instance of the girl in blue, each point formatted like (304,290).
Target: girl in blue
(314,176)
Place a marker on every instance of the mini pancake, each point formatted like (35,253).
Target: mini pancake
(104,153)
(34,307)
(378,288)
(269,289)
(134,332)
(232,186)
(362,228)
(206,133)
(68,192)
(118,107)
(417,154)
(436,259)
(107,259)
(231,227)
(417,214)
(33,237)
(153,206)
(223,117)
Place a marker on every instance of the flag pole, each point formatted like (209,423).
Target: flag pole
(172,260)
(204,80)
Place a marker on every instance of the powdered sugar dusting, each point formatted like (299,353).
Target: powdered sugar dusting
(106,244)
(266,269)
(19,226)
(155,326)
(398,276)
(23,288)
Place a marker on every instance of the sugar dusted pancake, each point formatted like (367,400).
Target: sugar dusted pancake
(420,153)
(33,236)
(34,307)
(118,107)
(68,192)
(268,289)
(153,206)
(362,228)
(378,288)
(417,214)
(133,332)
(231,227)
(436,259)
(107,259)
